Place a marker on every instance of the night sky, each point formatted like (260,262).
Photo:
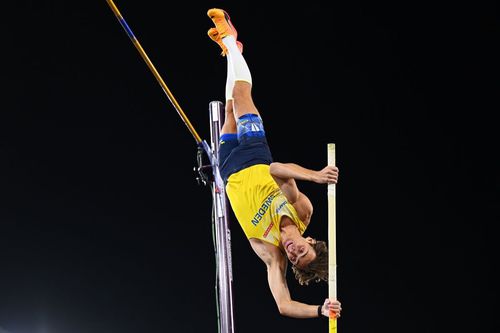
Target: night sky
(104,229)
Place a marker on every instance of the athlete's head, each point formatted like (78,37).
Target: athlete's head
(309,258)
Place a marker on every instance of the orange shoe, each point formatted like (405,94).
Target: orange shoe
(214,35)
(222,23)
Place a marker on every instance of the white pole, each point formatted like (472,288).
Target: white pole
(332,241)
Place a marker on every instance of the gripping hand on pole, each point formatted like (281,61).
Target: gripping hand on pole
(330,308)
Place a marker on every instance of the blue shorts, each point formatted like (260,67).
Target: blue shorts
(246,148)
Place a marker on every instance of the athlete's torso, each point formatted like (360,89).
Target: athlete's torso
(259,204)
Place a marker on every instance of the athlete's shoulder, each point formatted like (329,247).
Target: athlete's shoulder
(267,252)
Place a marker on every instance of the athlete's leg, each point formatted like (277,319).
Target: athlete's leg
(229,126)
(226,36)
(242,90)
(243,142)
(228,135)
(229,119)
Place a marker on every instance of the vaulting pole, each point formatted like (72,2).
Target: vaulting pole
(144,56)
(332,241)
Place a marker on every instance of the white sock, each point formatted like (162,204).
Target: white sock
(237,62)
(229,79)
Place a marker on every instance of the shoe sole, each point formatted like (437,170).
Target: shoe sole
(234,32)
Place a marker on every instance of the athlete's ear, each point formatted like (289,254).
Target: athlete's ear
(310,240)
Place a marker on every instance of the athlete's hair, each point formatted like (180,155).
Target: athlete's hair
(317,270)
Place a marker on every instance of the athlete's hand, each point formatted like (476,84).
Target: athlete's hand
(328,175)
(333,306)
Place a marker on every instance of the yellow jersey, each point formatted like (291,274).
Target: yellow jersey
(259,204)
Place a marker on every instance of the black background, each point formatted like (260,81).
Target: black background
(103,227)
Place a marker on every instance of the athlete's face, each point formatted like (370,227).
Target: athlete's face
(300,251)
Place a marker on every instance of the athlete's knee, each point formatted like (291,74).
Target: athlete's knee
(229,125)
(242,91)
(229,106)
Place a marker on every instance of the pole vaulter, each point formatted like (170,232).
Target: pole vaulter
(263,194)
(222,235)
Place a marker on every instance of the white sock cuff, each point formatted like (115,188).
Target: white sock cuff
(238,63)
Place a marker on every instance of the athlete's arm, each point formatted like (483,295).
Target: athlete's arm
(276,267)
(286,171)
(279,288)
(289,307)
(285,175)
